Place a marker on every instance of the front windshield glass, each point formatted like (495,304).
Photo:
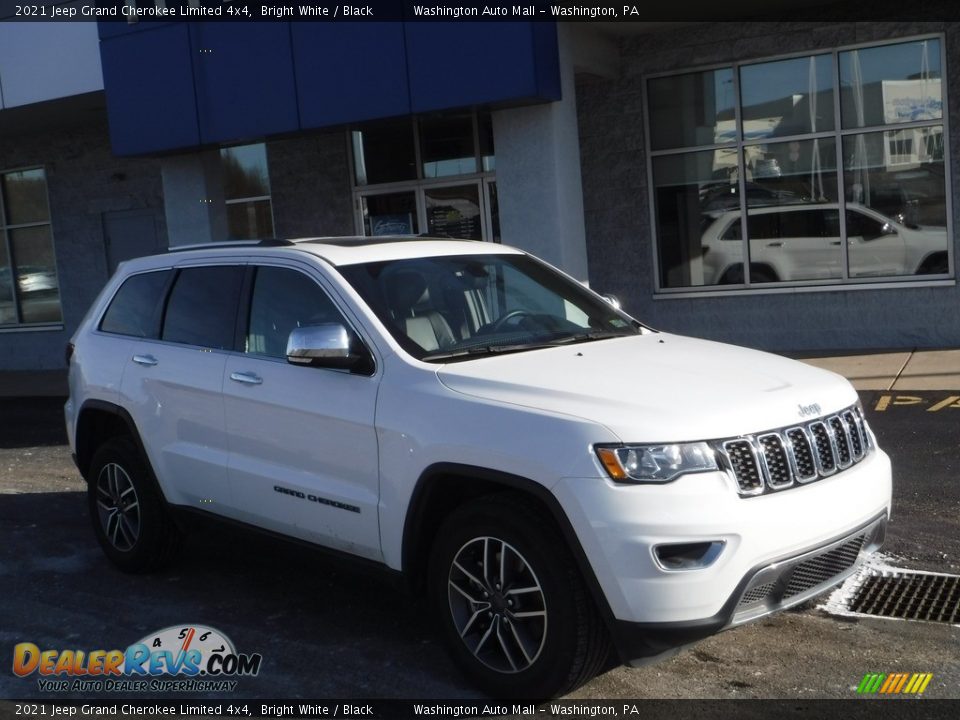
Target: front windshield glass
(464,306)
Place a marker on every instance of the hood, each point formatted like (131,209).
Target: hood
(656,387)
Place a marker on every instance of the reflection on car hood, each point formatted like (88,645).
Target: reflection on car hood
(657,387)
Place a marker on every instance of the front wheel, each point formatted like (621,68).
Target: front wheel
(512,606)
(129,517)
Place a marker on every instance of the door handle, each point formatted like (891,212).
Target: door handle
(774,244)
(835,242)
(246,377)
(147,360)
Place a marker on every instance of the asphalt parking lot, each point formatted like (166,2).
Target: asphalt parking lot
(327,629)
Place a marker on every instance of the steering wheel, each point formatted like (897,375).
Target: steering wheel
(499,324)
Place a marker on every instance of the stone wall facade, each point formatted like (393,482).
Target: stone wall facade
(310,185)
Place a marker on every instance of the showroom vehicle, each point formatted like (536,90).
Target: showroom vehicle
(565,485)
(803,242)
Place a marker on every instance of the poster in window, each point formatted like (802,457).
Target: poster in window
(394,224)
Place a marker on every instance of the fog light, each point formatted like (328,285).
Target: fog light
(688,556)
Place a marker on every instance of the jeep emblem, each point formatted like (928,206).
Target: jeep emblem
(808,410)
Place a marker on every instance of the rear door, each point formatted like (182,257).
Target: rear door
(303,448)
(172,385)
(796,242)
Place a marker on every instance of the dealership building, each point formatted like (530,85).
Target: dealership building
(782,184)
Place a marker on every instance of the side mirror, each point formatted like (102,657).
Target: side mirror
(329,345)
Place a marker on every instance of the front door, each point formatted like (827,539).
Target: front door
(303,448)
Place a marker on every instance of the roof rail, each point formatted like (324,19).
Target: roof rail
(267,242)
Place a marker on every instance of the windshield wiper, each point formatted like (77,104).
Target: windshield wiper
(487,350)
(520,347)
(587,337)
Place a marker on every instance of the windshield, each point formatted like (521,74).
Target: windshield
(465,306)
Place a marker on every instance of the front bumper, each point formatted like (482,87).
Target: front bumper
(765,538)
(765,590)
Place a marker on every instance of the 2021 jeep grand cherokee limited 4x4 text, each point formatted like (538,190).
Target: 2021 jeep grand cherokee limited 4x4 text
(560,480)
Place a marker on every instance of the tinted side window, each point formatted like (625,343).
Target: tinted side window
(765,226)
(859,225)
(733,231)
(203,307)
(283,300)
(788,224)
(133,310)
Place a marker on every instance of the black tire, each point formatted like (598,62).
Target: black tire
(526,654)
(129,517)
(934,265)
(762,274)
(733,275)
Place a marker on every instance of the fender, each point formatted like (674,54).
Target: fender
(429,480)
(82,458)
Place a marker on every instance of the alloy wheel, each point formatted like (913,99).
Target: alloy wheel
(118,507)
(498,605)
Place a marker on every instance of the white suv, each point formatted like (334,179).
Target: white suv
(803,242)
(561,481)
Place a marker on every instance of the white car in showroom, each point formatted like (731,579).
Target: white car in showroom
(803,241)
(564,485)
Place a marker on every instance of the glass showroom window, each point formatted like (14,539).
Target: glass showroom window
(821,169)
(433,174)
(29,289)
(246,187)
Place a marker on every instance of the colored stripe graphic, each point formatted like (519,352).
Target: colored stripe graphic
(871,683)
(927,677)
(894,683)
(890,683)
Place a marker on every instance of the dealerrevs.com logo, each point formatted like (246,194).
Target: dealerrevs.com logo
(181,658)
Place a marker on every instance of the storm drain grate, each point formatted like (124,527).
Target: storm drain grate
(909,596)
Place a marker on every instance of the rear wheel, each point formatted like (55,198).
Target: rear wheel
(934,265)
(762,274)
(512,606)
(129,517)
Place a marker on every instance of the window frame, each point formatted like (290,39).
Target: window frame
(254,264)
(419,184)
(253,198)
(156,321)
(246,307)
(18,324)
(838,134)
(243,269)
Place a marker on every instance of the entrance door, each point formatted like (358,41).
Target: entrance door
(130,234)
(454,211)
(466,210)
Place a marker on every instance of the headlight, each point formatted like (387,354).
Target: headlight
(656,463)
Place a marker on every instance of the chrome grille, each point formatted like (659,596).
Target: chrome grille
(856,440)
(776,460)
(745,466)
(800,454)
(824,444)
(844,457)
(806,466)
